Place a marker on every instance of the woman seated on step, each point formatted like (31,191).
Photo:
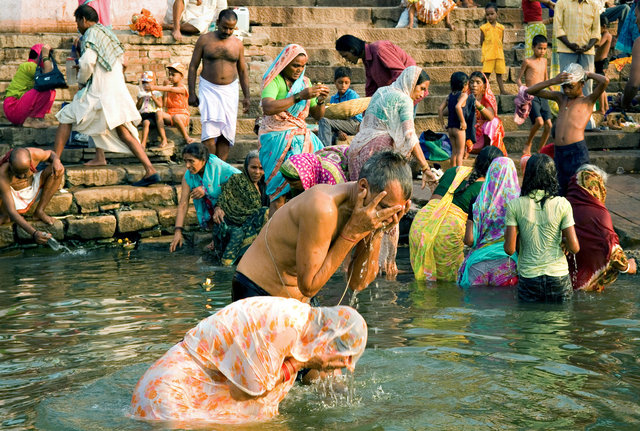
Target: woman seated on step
(287,99)
(238,364)
(487,264)
(202,182)
(245,206)
(601,257)
(24,105)
(437,232)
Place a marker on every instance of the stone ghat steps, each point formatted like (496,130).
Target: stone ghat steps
(364,16)
(423,37)
(104,212)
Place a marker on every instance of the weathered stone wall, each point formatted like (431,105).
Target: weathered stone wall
(98,203)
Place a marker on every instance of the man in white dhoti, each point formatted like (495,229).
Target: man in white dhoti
(223,68)
(191,16)
(21,185)
(103,107)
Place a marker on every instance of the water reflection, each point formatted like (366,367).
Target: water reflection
(79,331)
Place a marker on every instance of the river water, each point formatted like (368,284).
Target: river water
(79,329)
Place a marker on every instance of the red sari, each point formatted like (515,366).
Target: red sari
(592,267)
(494,129)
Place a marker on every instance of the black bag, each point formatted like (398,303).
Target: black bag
(51,80)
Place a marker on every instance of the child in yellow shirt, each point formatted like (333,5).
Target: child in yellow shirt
(491,37)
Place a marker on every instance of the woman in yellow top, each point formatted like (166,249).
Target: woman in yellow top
(24,105)
(491,37)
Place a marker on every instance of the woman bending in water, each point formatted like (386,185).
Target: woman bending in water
(238,364)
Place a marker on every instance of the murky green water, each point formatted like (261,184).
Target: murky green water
(77,331)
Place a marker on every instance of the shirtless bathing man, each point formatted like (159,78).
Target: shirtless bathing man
(307,239)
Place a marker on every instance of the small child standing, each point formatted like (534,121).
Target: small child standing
(574,112)
(176,101)
(148,104)
(491,38)
(534,70)
(461,116)
(330,130)
(601,60)
(543,221)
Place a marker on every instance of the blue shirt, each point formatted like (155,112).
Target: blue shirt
(348,95)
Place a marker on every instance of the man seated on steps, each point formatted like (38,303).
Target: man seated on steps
(21,185)
(103,107)
(191,16)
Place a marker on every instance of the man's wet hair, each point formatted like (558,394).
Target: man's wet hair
(87,12)
(228,14)
(383,168)
(341,72)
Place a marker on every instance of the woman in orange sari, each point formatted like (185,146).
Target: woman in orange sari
(238,364)
(489,127)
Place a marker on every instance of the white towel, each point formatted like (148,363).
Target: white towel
(22,199)
(218,109)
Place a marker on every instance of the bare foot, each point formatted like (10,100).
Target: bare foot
(177,35)
(96,162)
(35,123)
(41,215)
(391,270)
(449,26)
(162,144)
(211,246)
(189,140)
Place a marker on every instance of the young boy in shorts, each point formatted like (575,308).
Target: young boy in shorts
(574,112)
(491,38)
(534,70)
(176,102)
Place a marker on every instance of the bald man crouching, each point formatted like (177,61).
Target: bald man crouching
(21,186)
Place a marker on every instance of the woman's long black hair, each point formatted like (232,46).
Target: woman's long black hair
(540,174)
(481,165)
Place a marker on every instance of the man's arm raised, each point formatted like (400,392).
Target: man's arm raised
(317,258)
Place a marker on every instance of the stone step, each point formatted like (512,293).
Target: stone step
(316,3)
(427,37)
(382,17)
(613,141)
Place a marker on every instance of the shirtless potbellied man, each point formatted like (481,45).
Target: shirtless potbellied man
(21,186)
(306,240)
(223,67)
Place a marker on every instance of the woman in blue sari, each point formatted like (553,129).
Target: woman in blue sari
(202,182)
(287,99)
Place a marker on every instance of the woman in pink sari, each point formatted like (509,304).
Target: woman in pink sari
(238,364)
(23,104)
(489,127)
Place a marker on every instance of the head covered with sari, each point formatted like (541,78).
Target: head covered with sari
(494,129)
(285,133)
(286,56)
(599,243)
(249,340)
(499,188)
(390,113)
(326,166)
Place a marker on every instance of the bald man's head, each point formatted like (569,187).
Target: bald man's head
(20,162)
